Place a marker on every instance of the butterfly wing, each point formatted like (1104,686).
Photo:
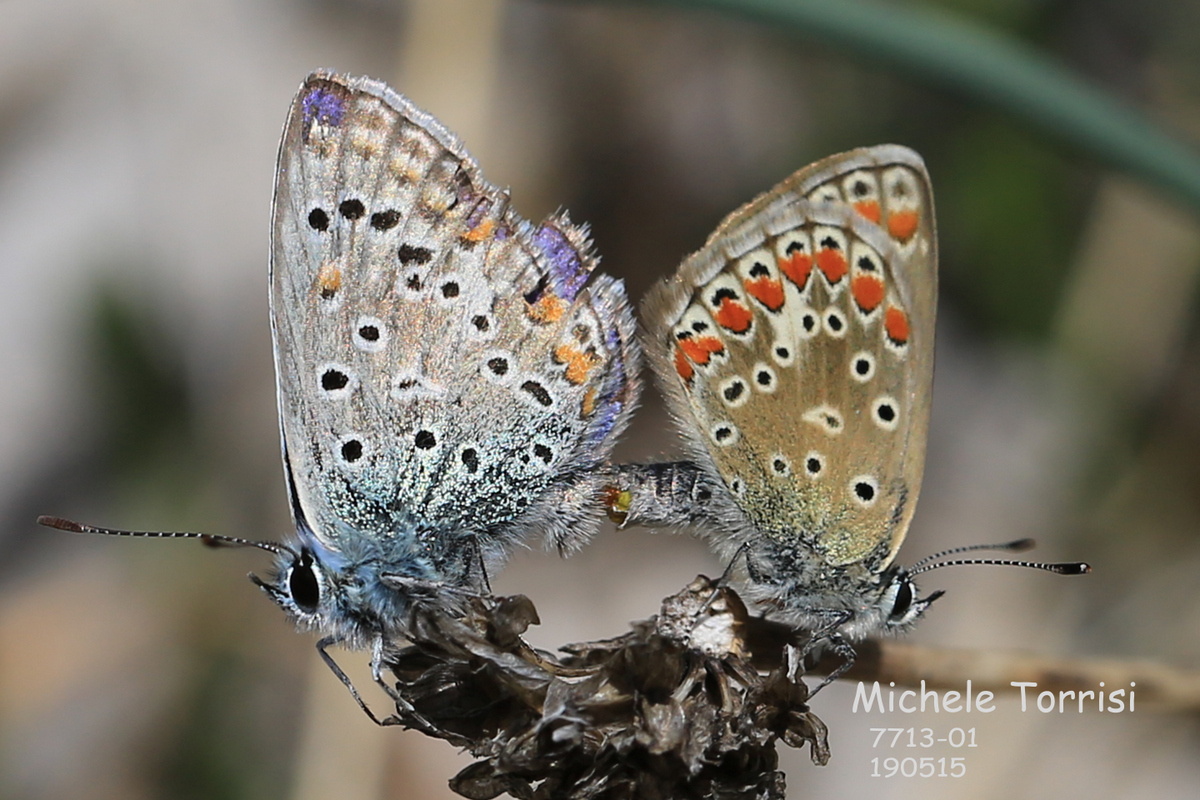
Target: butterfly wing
(444,370)
(796,349)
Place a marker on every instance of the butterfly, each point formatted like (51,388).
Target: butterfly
(795,352)
(451,377)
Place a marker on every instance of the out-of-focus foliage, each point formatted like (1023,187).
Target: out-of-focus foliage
(139,390)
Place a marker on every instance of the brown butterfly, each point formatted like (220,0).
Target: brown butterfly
(795,350)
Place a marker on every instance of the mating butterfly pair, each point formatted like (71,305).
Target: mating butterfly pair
(452,377)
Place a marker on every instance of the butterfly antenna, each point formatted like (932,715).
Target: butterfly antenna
(1018,546)
(213,540)
(1060,568)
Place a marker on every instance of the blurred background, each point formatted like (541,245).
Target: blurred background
(137,146)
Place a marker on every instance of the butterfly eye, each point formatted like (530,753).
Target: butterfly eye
(724,434)
(303,584)
(734,392)
(826,194)
(810,324)
(409,385)
(904,599)
(470,459)
(498,366)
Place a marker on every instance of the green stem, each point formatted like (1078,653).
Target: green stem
(987,66)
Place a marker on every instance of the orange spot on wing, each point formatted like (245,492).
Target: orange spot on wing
(903,224)
(895,322)
(766,291)
(403,171)
(589,402)
(733,316)
(832,263)
(329,280)
(701,348)
(797,268)
(868,292)
(367,146)
(547,309)
(321,142)
(480,232)
(579,362)
(682,365)
(869,209)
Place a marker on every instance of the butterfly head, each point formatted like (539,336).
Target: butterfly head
(857,604)
(308,590)
(306,581)
(898,607)
(356,594)
(889,604)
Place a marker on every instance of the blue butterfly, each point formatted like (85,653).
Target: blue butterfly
(451,378)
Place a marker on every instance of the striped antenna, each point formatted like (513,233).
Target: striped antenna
(1059,568)
(213,540)
(1019,546)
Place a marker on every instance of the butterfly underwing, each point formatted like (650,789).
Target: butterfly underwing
(795,352)
(451,378)
(448,377)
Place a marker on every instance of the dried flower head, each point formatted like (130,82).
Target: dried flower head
(688,704)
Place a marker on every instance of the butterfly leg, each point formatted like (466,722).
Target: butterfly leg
(409,715)
(377,672)
(752,569)
(826,634)
(727,575)
(846,651)
(487,584)
(345,679)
